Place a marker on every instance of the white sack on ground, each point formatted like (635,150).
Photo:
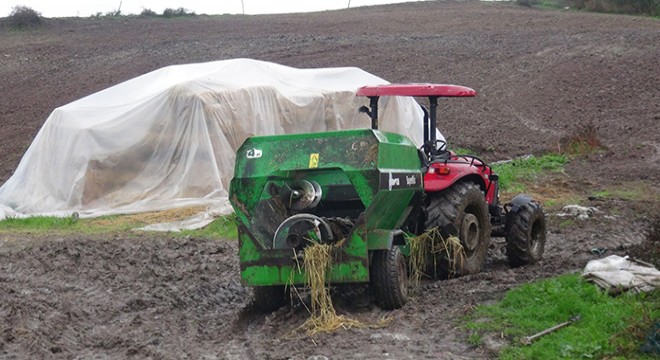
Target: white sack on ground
(616,274)
(167,139)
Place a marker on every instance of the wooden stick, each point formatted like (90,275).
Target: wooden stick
(529,339)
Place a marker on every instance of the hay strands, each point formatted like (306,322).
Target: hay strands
(317,262)
(427,249)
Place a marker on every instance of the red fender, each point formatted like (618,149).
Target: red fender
(443,174)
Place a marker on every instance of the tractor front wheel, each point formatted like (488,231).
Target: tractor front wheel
(464,206)
(525,240)
(389,278)
(270,298)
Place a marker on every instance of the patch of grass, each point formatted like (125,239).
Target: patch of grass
(633,191)
(625,194)
(566,223)
(463,151)
(511,174)
(602,331)
(72,224)
(553,192)
(517,175)
(222,227)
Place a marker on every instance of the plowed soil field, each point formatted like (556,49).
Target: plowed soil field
(544,78)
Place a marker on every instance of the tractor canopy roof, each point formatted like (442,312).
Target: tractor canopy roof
(439,90)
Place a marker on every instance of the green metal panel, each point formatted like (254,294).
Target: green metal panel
(382,169)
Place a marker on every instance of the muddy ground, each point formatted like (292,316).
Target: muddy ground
(541,76)
(154,296)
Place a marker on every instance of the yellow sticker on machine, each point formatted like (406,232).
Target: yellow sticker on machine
(313,161)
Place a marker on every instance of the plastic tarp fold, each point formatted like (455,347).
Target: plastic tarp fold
(168,138)
(616,274)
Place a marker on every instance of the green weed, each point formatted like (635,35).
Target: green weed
(475,339)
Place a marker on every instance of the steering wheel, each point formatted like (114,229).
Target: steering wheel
(440,151)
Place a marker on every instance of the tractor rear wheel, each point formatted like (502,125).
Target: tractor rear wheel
(464,206)
(270,298)
(525,240)
(389,278)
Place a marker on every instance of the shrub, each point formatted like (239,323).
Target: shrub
(148,13)
(23,16)
(170,13)
(528,3)
(647,7)
(113,13)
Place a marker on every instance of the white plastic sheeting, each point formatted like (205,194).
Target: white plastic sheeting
(616,274)
(167,139)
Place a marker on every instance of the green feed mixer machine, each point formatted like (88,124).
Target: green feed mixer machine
(368,192)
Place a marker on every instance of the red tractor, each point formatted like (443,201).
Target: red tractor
(461,194)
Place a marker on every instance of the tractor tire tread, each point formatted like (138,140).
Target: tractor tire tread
(389,291)
(519,248)
(443,209)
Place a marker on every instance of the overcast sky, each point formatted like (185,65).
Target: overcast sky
(62,8)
